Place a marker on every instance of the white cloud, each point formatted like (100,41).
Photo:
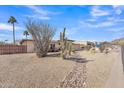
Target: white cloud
(4,26)
(110,18)
(118,9)
(86,24)
(2,35)
(101,24)
(119,29)
(105,24)
(92,20)
(118,35)
(38,10)
(38,17)
(119,20)
(69,31)
(115,6)
(41,13)
(114,19)
(96,11)
(73,30)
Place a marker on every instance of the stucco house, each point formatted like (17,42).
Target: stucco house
(54,45)
(29,44)
(83,44)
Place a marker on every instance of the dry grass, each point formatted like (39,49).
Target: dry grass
(26,70)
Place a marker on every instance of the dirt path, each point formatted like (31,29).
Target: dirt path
(77,77)
(116,78)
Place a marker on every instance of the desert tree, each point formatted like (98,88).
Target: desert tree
(26,33)
(12,21)
(42,34)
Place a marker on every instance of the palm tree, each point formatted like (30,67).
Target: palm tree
(12,20)
(26,34)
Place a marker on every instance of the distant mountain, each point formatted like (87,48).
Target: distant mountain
(119,41)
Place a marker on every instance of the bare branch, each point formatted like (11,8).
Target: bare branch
(42,34)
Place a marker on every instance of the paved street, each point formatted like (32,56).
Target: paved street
(116,79)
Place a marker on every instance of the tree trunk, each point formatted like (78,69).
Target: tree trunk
(13,34)
(43,54)
(26,40)
(26,44)
(40,53)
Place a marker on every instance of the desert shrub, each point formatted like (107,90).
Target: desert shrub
(42,34)
(88,47)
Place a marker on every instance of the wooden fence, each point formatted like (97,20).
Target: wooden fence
(12,49)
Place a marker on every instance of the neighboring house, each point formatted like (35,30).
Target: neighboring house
(78,45)
(28,42)
(30,45)
(83,44)
(17,42)
(54,45)
(75,44)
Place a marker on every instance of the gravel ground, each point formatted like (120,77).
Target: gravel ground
(26,70)
(99,67)
(92,72)
(78,76)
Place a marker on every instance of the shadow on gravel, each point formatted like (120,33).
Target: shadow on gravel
(78,60)
(74,59)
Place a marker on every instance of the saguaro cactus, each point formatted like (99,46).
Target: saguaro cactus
(70,48)
(65,45)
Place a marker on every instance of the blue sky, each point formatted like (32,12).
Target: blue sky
(99,23)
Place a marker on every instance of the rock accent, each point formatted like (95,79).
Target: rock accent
(77,77)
